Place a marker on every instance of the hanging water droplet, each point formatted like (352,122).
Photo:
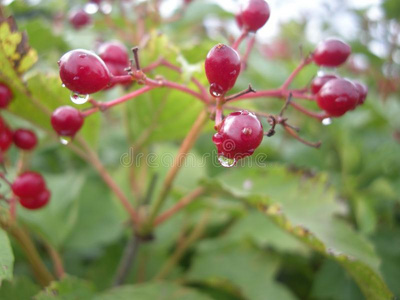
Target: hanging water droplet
(63,85)
(226,162)
(65,140)
(327,121)
(79,98)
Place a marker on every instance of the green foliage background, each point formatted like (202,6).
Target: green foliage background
(305,224)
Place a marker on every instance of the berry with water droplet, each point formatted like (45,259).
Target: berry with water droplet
(318,82)
(28,184)
(239,134)
(331,53)
(79,18)
(6,138)
(362,90)
(25,139)
(338,96)
(36,202)
(222,68)
(83,72)
(66,120)
(6,95)
(255,14)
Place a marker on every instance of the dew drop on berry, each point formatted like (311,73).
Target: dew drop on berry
(63,85)
(216,90)
(79,98)
(247,131)
(327,121)
(226,162)
(65,140)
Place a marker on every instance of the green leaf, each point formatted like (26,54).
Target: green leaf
(6,257)
(18,288)
(152,291)
(251,271)
(332,282)
(69,288)
(306,208)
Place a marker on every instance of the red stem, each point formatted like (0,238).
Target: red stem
(250,46)
(240,39)
(296,71)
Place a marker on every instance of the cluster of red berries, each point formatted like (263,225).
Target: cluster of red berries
(31,190)
(240,133)
(84,72)
(29,187)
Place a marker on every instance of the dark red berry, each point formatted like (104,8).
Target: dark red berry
(6,138)
(222,69)
(114,52)
(25,139)
(116,57)
(28,184)
(362,90)
(331,53)
(36,202)
(83,72)
(240,133)
(6,95)
(79,18)
(337,96)
(319,81)
(66,120)
(254,14)
(239,21)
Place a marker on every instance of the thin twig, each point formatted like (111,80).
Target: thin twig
(297,137)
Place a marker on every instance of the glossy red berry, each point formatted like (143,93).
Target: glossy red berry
(83,72)
(222,67)
(239,21)
(254,14)
(239,135)
(25,139)
(66,120)
(362,90)
(331,53)
(79,18)
(6,95)
(337,96)
(319,81)
(6,138)
(36,202)
(28,184)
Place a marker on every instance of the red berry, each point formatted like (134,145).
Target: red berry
(114,52)
(5,95)
(116,57)
(36,202)
(362,90)
(25,139)
(83,72)
(79,18)
(6,138)
(239,20)
(66,120)
(331,53)
(255,14)
(222,69)
(337,96)
(28,184)
(239,135)
(319,81)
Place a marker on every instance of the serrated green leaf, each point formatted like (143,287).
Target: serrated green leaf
(6,257)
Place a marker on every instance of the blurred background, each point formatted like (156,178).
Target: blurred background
(346,194)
